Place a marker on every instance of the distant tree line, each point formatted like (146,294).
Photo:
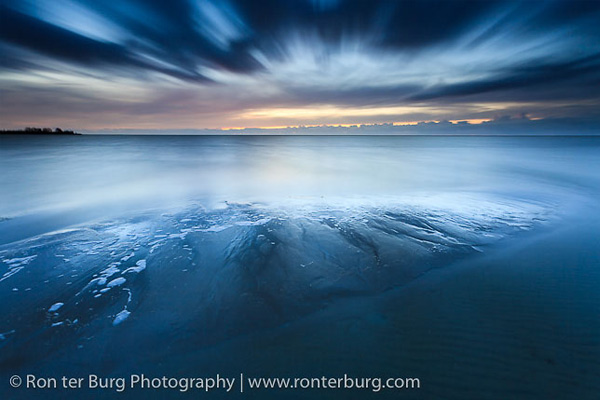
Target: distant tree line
(38,131)
(47,130)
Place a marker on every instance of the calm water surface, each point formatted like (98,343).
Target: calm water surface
(471,263)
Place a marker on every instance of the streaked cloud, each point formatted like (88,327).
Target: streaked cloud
(207,64)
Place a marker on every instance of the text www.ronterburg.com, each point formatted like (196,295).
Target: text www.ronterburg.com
(345,382)
(210,383)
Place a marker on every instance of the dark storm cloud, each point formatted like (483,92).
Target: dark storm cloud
(12,59)
(173,31)
(581,75)
(401,24)
(195,40)
(535,80)
(47,39)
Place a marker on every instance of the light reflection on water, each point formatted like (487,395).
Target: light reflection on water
(287,252)
(64,172)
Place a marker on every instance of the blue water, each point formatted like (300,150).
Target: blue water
(471,263)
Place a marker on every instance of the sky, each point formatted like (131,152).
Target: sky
(223,64)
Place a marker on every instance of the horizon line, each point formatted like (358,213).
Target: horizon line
(399,128)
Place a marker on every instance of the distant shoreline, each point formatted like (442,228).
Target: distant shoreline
(38,132)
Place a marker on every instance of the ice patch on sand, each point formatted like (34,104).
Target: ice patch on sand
(110,271)
(259,222)
(4,334)
(217,228)
(15,265)
(120,317)
(124,314)
(54,307)
(116,282)
(17,262)
(125,258)
(140,266)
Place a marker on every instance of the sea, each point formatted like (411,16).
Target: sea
(417,267)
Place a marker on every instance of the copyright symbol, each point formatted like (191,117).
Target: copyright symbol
(15,381)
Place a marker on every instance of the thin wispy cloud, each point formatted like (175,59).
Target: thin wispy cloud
(209,64)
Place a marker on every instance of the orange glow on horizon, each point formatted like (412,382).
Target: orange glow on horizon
(472,121)
(412,123)
(239,128)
